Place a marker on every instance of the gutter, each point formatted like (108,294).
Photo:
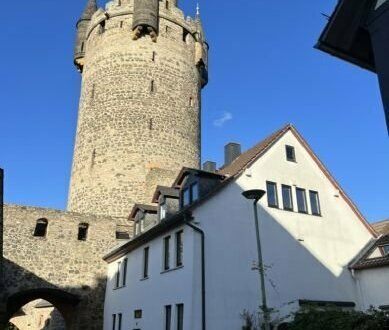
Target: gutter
(202,234)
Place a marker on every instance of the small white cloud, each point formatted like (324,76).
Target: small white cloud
(226,116)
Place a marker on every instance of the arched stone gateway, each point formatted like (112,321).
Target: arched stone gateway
(65,302)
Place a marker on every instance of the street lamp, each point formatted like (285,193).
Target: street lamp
(256,195)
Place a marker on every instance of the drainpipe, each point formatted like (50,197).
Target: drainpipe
(201,232)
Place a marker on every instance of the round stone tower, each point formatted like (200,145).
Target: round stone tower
(143,66)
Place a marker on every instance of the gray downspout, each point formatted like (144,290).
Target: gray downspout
(201,232)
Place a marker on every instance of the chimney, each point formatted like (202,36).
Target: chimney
(231,151)
(209,166)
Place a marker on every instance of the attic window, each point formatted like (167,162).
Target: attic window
(82,231)
(386,249)
(41,228)
(290,154)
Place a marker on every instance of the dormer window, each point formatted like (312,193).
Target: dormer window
(386,249)
(139,226)
(185,197)
(162,210)
(190,194)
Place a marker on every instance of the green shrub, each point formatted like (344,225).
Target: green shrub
(336,319)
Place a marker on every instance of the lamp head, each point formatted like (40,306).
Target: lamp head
(254,194)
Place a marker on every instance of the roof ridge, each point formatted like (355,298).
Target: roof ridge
(245,159)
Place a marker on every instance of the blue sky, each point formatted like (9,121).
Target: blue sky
(264,72)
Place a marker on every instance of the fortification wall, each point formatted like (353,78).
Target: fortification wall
(59,260)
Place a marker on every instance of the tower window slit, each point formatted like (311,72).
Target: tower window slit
(191,103)
(151,124)
(82,46)
(152,86)
(93,92)
(154,56)
(167,4)
(121,22)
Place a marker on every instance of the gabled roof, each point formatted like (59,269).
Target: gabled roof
(227,175)
(187,170)
(246,159)
(165,191)
(365,262)
(142,207)
(243,161)
(381,227)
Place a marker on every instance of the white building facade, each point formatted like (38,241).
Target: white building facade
(197,269)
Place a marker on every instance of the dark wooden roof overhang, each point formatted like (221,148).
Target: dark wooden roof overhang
(346,35)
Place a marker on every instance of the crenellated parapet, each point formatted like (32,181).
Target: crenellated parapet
(82,29)
(142,18)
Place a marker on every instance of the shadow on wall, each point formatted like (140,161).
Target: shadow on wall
(80,307)
(306,257)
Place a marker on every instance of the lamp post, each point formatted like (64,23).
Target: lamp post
(256,195)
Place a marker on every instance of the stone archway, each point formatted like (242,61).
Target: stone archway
(65,302)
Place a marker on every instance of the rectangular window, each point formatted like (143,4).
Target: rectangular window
(166,253)
(146,262)
(113,321)
(118,275)
(163,211)
(290,153)
(180,316)
(272,196)
(124,272)
(185,197)
(120,321)
(138,314)
(168,317)
(287,197)
(194,192)
(179,248)
(386,249)
(137,228)
(315,204)
(301,200)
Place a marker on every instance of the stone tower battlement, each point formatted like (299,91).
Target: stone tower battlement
(140,104)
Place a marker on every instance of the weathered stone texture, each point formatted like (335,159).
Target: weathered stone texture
(139,111)
(59,260)
(138,125)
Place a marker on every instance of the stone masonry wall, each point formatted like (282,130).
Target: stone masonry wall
(139,111)
(59,260)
